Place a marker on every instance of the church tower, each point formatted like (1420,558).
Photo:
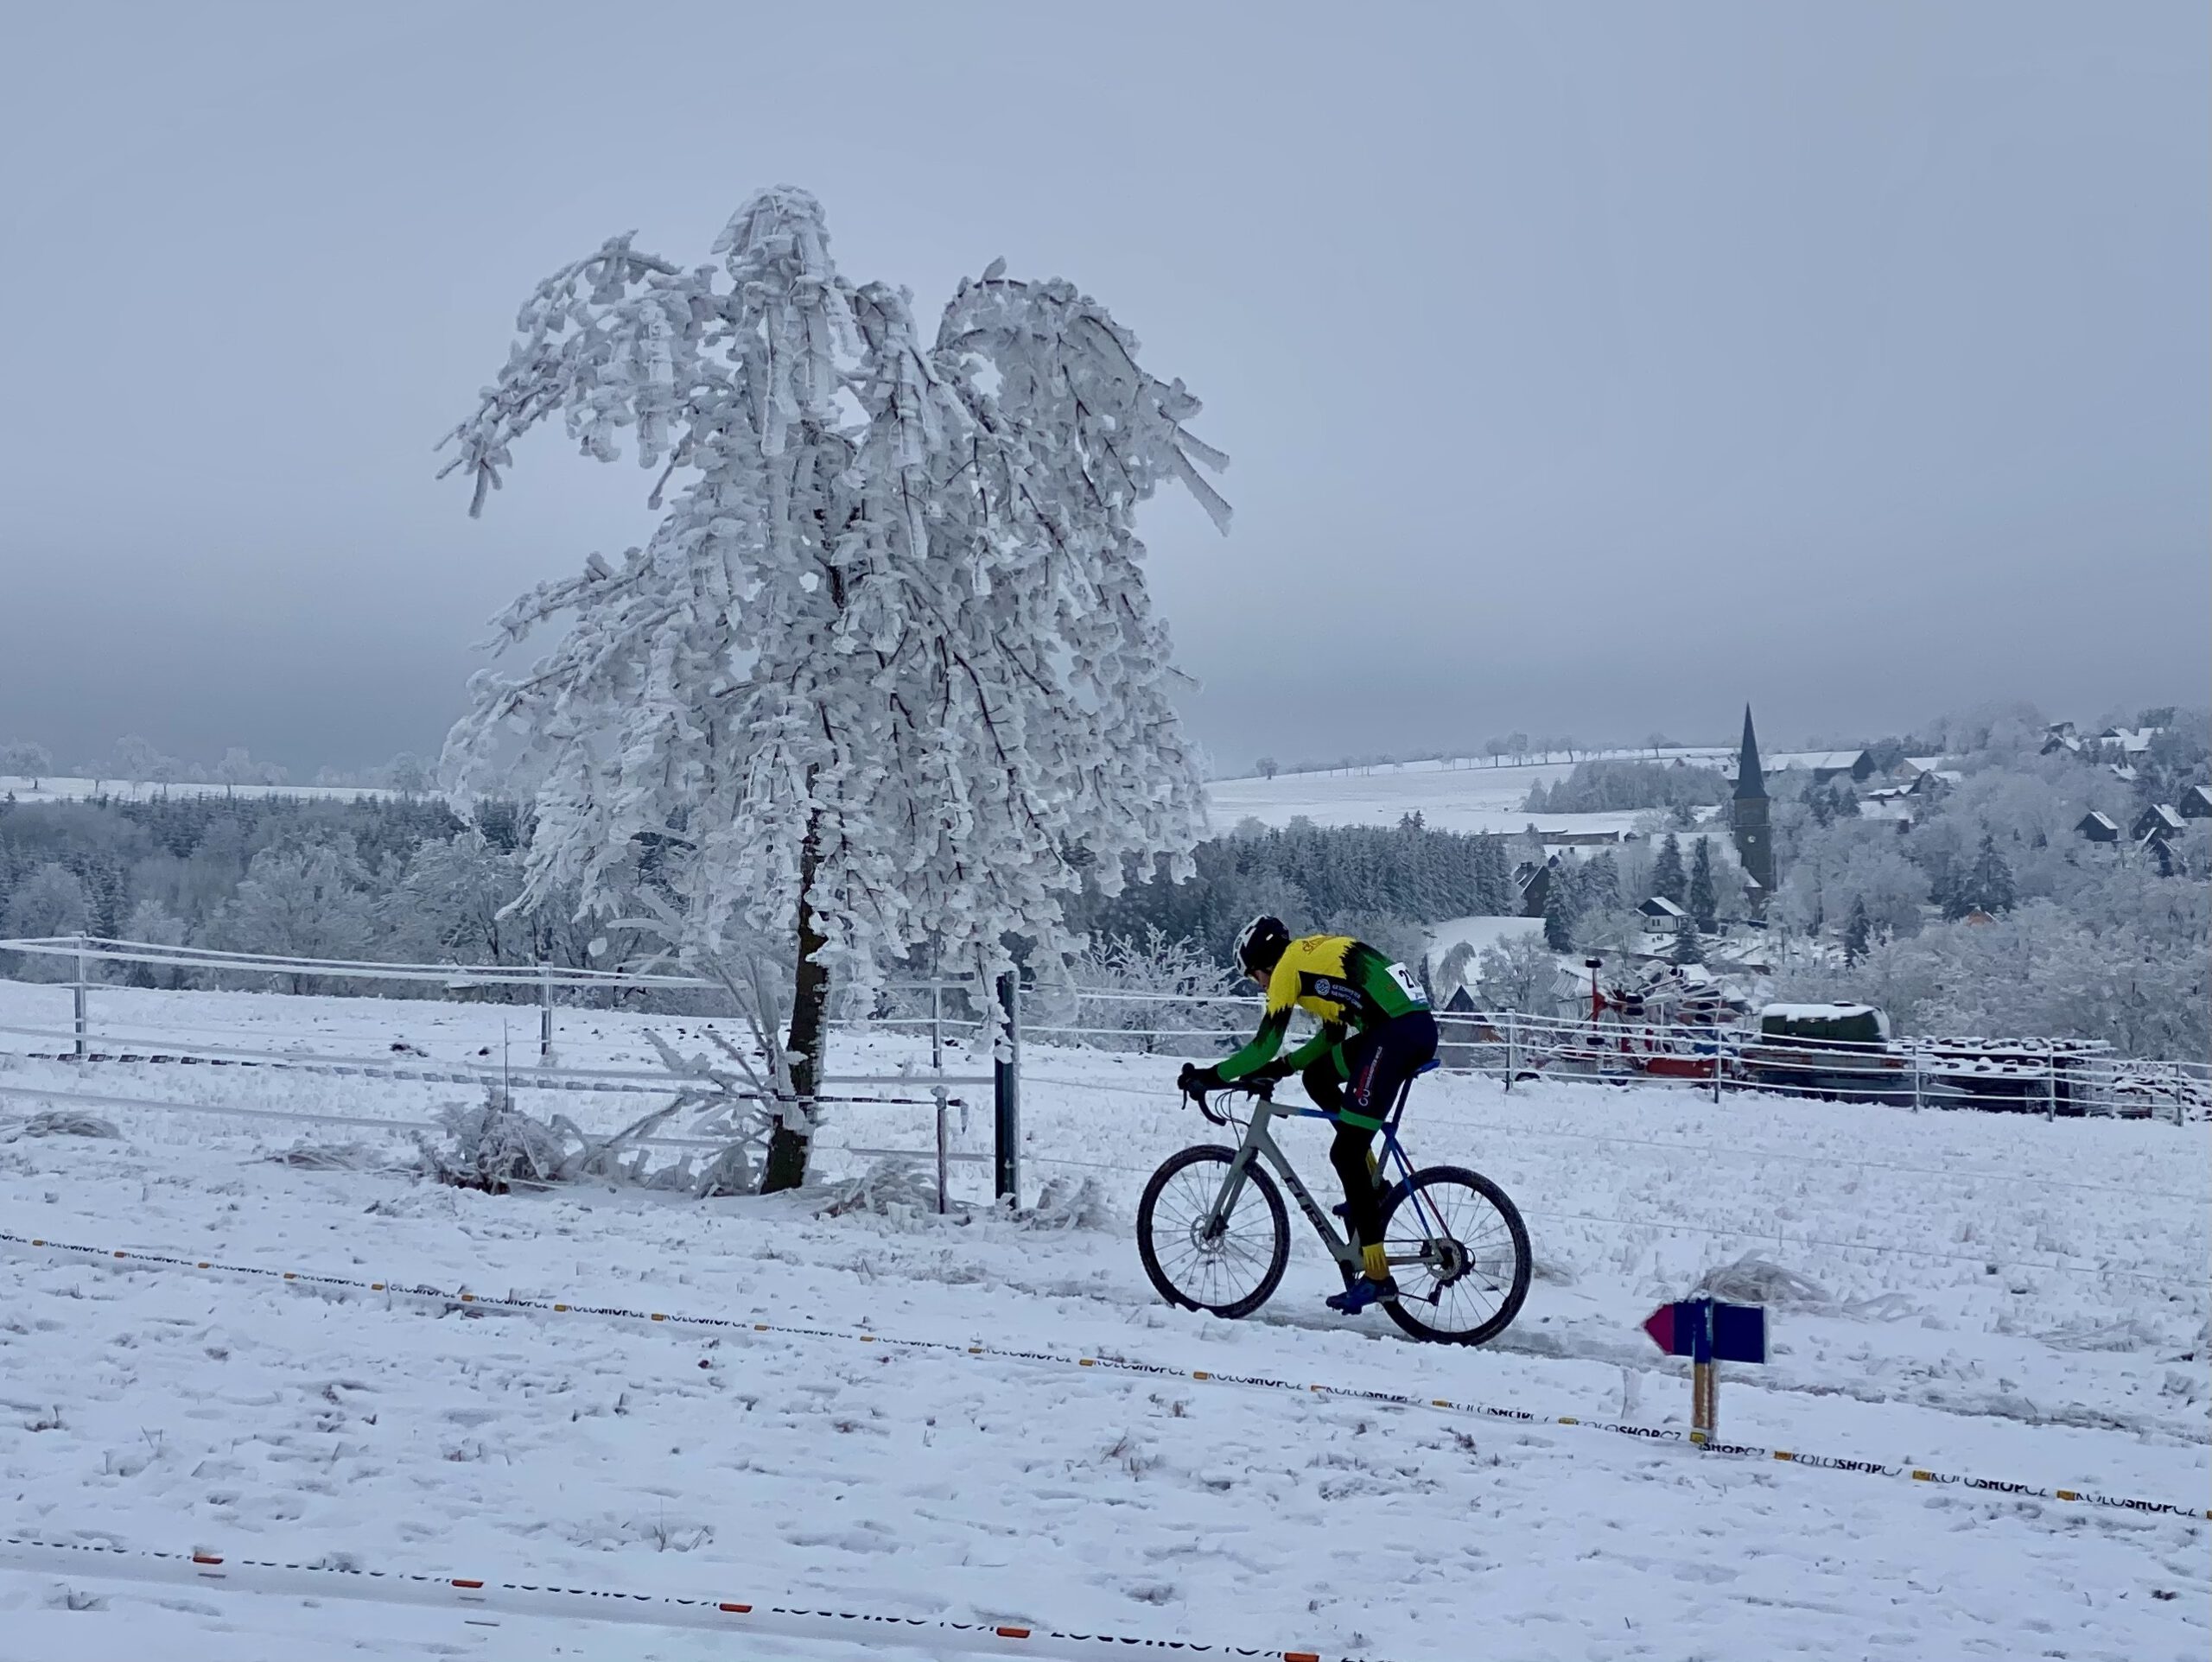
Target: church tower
(1748,815)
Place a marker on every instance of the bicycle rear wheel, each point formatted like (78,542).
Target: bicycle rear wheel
(1228,1268)
(1459,1254)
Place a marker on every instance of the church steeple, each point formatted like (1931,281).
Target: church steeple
(1750,782)
(1748,819)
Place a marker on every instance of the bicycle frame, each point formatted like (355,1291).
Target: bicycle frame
(1260,1141)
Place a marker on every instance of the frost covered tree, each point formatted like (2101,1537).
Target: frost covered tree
(1452,972)
(155,924)
(304,901)
(51,900)
(1517,973)
(455,898)
(21,758)
(407,773)
(886,677)
(1669,880)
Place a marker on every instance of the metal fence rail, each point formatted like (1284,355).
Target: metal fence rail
(2045,1076)
(2052,1076)
(86,1043)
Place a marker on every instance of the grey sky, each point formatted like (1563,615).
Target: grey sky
(1585,369)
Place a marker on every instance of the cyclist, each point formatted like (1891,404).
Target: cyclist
(1376,1032)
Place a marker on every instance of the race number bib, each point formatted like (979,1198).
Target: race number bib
(1407,985)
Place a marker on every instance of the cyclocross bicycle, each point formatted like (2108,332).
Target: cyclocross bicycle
(1214,1236)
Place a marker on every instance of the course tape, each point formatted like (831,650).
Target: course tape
(1124,1365)
(602,1604)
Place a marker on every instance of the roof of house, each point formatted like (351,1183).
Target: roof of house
(2133,740)
(2102,821)
(2196,796)
(2161,816)
(1819,761)
(1659,906)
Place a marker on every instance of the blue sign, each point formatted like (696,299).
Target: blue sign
(1710,1330)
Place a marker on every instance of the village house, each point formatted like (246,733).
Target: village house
(2097,827)
(2156,823)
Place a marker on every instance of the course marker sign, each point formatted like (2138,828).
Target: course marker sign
(1708,1331)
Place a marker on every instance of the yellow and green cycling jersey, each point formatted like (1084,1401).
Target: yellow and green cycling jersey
(1345,984)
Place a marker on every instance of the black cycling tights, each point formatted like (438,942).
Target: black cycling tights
(1376,1064)
(1355,1166)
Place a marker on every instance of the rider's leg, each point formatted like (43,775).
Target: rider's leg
(1325,1080)
(1325,1083)
(1351,1154)
(1379,1062)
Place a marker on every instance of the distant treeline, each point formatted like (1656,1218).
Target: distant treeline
(1615,786)
(1382,884)
(382,880)
(409,880)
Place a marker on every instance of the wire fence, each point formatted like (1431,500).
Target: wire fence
(2044,1076)
(2050,1077)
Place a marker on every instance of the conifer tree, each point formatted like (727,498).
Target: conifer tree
(1669,881)
(1561,910)
(1688,949)
(1704,901)
(1601,885)
(1989,882)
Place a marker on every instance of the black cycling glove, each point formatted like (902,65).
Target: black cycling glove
(1195,1082)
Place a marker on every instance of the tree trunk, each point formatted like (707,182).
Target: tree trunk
(788,1144)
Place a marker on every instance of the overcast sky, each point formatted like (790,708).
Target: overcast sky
(1586,370)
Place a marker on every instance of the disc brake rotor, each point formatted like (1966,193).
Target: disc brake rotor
(1446,1260)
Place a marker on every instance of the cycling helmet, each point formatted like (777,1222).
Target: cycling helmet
(1259,944)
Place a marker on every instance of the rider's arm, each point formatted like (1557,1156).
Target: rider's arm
(1282,997)
(1257,1054)
(1330,1036)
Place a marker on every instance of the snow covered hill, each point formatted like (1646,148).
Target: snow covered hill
(1980,1294)
(1470,795)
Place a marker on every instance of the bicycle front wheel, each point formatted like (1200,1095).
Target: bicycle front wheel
(1459,1254)
(1227,1263)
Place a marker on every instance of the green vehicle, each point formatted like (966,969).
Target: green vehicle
(1838,1050)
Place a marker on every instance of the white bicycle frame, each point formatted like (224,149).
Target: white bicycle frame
(1259,1140)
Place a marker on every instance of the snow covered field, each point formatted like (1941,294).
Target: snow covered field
(1996,1296)
(1479,933)
(1473,797)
